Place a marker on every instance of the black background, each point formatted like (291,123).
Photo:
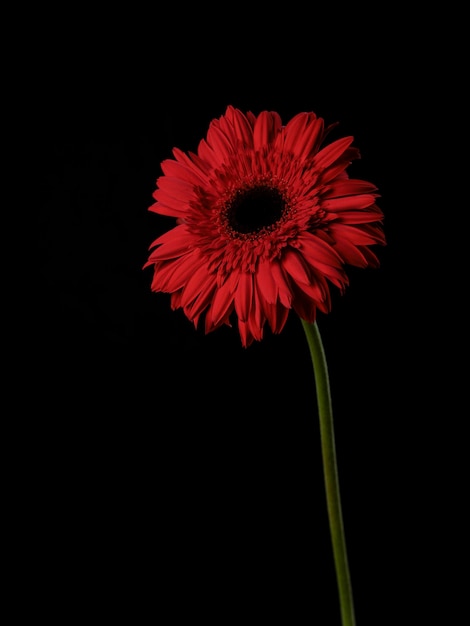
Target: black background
(172,476)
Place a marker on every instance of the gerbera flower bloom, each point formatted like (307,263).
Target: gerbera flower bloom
(267,219)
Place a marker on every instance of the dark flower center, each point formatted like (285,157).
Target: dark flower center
(255,209)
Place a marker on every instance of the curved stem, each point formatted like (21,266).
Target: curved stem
(331,472)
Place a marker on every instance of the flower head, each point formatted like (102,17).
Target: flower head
(267,219)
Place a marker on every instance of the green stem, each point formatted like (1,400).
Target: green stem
(330,469)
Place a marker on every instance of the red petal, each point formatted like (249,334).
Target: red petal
(166,205)
(316,249)
(371,257)
(242,128)
(358,217)
(219,143)
(304,306)
(357,235)
(173,247)
(277,315)
(335,173)
(163,209)
(348,187)
(172,276)
(328,155)
(180,190)
(347,203)
(196,283)
(303,134)
(296,266)
(318,292)
(266,283)
(175,169)
(258,309)
(207,154)
(313,137)
(244,296)
(204,298)
(282,284)
(192,161)
(245,335)
(222,303)
(255,329)
(350,253)
(266,127)
(178,232)
(294,132)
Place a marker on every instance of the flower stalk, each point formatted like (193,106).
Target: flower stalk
(330,470)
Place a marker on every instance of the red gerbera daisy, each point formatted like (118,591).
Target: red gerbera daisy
(267,219)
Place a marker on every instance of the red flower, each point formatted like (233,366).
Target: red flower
(267,219)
